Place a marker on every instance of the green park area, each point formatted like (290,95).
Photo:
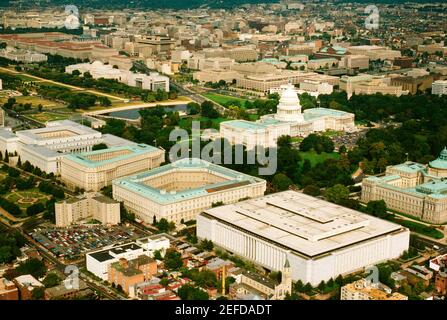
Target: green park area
(44,117)
(35,101)
(316,158)
(26,198)
(223,99)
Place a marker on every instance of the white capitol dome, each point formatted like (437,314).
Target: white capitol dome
(289,107)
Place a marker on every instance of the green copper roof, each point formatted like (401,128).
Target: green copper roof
(135,150)
(441,162)
(433,187)
(244,124)
(136,183)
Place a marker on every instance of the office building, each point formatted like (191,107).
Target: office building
(128,273)
(321,240)
(98,262)
(439,87)
(94,170)
(8,290)
(88,206)
(182,189)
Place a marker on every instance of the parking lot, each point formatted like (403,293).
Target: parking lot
(348,139)
(74,242)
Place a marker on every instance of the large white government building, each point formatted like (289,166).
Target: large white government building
(182,189)
(289,120)
(321,240)
(97,69)
(413,188)
(45,147)
(94,170)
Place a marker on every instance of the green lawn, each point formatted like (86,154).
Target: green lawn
(222,99)
(44,117)
(315,158)
(420,228)
(330,133)
(24,77)
(26,198)
(35,101)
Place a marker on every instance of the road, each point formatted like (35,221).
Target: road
(136,106)
(64,85)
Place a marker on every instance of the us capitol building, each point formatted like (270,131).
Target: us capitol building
(289,120)
(413,188)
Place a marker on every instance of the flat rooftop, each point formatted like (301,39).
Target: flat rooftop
(139,183)
(106,254)
(302,223)
(105,156)
(57,130)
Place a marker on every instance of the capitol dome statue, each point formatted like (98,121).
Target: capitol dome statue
(289,107)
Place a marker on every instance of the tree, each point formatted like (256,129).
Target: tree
(164,282)
(307,288)
(377,208)
(281,182)
(51,280)
(208,110)
(321,285)
(164,226)
(189,292)
(312,190)
(157,255)
(173,259)
(104,101)
(38,293)
(337,193)
(206,245)
(35,209)
(32,266)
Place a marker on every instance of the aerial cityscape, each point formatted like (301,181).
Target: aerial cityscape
(241,150)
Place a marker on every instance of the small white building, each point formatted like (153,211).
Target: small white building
(439,87)
(154,243)
(99,261)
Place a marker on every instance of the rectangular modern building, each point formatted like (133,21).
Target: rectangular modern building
(90,205)
(94,170)
(181,190)
(321,240)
